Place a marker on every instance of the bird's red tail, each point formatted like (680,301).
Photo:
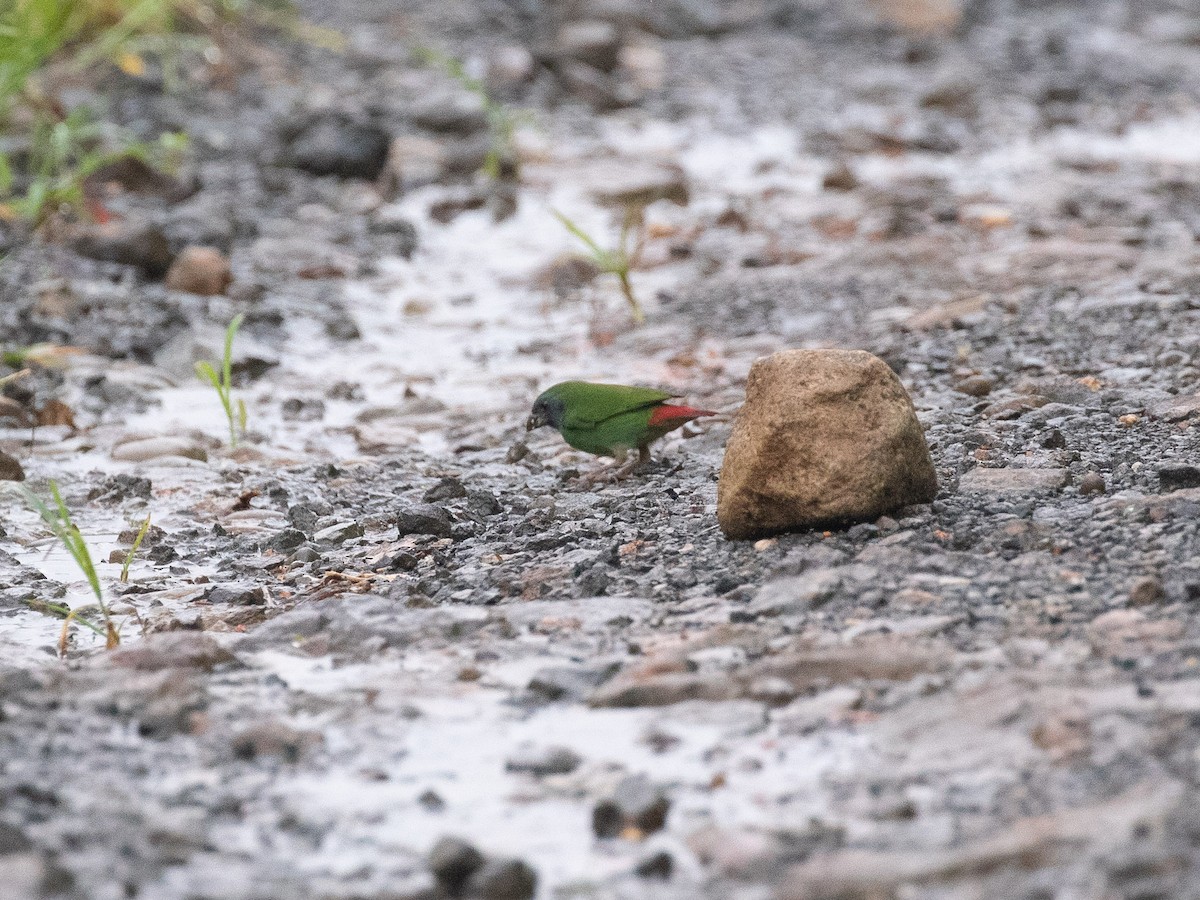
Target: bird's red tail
(675,416)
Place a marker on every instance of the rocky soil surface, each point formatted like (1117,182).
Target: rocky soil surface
(388,649)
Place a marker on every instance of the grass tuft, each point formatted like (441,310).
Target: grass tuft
(502,160)
(58,519)
(63,153)
(222,383)
(137,542)
(617,261)
(42,36)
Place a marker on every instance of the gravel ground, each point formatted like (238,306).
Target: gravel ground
(390,647)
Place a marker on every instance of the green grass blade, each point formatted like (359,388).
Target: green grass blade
(62,611)
(586,238)
(227,363)
(137,542)
(205,371)
(58,519)
(70,535)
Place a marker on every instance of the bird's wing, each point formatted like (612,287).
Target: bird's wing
(587,408)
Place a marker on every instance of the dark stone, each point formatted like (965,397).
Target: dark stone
(334,145)
(273,739)
(342,329)
(288,539)
(1174,478)
(152,538)
(142,246)
(565,683)
(138,176)
(505,879)
(683,18)
(10,469)
(170,713)
(453,861)
(607,820)
(840,178)
(305,554)
(660,865)
(594,582)
(431,800)
(483,503)
(237,594)
(13,840)
(862,531)
(116,488)
(726,583)
(56,881)
(449,209)
(424,518)
(402,231)
(595,43)
(303,517)
(542,761)
(345,390)
(1147,591)
(597,88)
(297,409)
(1054,440)
(459,114)
(403,562)
(636,803)
(163,554)
(447,489)
(339,532)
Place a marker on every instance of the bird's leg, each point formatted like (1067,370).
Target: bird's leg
(604,474)
(623,468)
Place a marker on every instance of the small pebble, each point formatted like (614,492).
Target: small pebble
(453,861)
(1147,592)
(659,865)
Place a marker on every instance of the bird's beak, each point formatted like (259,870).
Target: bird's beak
(534,421)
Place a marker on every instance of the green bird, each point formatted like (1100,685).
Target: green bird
(610,419)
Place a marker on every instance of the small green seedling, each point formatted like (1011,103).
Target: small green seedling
(616,262)
(65,152)
(58,520)
(502,121)
(222,383)
(137,542)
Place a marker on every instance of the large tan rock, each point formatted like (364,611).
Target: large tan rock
(825,437)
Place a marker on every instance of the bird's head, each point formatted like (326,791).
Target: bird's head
(547,410)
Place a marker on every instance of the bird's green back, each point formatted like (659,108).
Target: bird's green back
(587,404)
